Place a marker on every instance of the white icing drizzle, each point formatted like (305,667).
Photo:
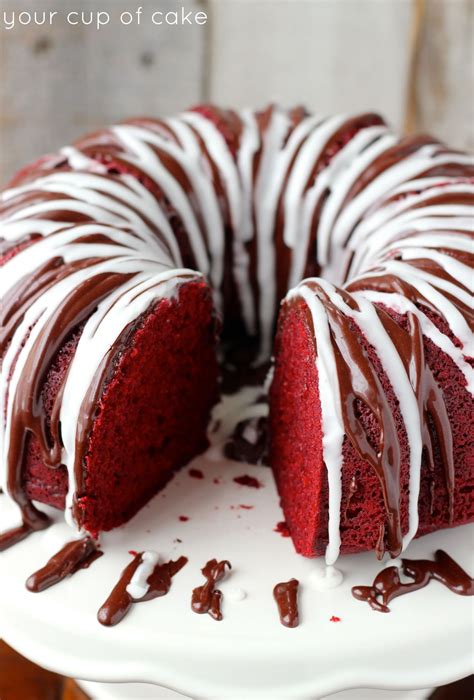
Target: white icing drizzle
(431,288)
(422,159)
(100,332)
(331,410)
(340,187)
(412,231)
(232,409)
(78,161)
(262,189)
(138,586)
(141,154)
(399,303)
(267,189)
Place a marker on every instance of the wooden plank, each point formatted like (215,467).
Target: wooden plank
(56,82)
(443,101)
(22,680)
(331,55)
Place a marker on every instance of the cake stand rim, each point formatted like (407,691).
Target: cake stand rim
(459,669)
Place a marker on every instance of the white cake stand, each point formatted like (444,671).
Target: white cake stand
(425,641)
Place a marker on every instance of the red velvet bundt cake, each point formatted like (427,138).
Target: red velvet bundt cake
(121,255)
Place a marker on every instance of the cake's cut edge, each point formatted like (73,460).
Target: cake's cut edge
(151,417)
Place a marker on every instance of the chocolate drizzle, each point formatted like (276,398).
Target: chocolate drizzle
(286,596)
(206,598)
(435,424)
(249,442)
(360,381)
(387,584)
(120,601)
(353,487)
(75,555)
(30,416)
(33,521)
(124,180)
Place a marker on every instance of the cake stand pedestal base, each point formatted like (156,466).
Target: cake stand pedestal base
(144,691)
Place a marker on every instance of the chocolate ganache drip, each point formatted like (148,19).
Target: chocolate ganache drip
(207,598)
(255,202)
(387,584)
(249,442)
(81,262)
(359,381)
(435,424)
(286,596)
(359,367)
(157,583)
(33,521)
(76,555)
(28,410)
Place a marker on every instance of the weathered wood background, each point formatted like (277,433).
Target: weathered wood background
(411,60)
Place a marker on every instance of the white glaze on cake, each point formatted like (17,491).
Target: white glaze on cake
(263,190)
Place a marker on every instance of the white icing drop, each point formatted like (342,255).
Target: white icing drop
(235,594)
(138,586)
(233,409)
(323,578)
(250,434)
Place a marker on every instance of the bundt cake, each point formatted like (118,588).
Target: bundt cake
(126,255)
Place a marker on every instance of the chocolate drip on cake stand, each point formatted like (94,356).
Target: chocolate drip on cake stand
(120,600)
(286,596)
(387,584)
(206,598)
(76,555)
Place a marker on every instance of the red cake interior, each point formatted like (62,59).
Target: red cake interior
(296,432)
(297,455)
(297,458)
(152,415)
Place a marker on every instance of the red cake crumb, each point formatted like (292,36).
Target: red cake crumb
(245,507)
(246,480)
(216,481)
(282,528)
(133,552)
(196,474)
(183,518)
(334,618)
